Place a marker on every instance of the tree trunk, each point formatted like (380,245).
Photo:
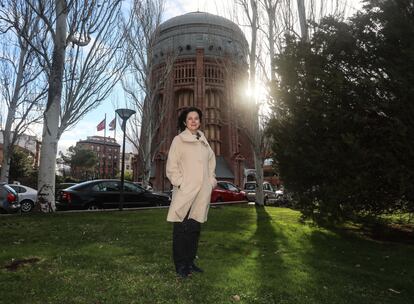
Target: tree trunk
(258,163)
(147,154)
(256,134)
(46,178)
(271,17)
(7,147)
(253,47)
(50,137)
(302,20)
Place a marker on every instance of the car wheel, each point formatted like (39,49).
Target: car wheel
(265,202)
(94,206)
(26,206)
(219,200)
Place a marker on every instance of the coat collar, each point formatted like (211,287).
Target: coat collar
(187,136)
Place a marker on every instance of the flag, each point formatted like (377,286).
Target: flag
(101,125)
(112,124)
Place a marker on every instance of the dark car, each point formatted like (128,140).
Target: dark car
(9,201)
(227,192)
(99,194)
(62,186)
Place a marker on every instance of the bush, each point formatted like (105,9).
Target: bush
(342,125)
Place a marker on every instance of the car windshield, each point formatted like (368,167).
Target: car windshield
(65,185)
(129,187)
(17,188)
(250,186)
(10,189)
(232,187)
(81,186)
(222,185)
(106,186)
(267,187)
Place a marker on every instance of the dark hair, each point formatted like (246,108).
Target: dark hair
(183,116)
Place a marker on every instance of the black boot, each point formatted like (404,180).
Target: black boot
(194,268)
(194,228)
(180,249)
(182,271)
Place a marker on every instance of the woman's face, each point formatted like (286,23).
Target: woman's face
(192,121)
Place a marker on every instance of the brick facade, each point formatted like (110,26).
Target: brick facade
(209,73)
(107,151)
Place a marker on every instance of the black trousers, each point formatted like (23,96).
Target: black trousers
(185,242)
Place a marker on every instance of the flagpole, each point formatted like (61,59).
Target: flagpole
(104,158)
(113,163)
(115,128)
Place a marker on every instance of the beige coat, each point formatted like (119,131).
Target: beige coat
(191,169)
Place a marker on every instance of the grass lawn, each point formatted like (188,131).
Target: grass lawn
(249,256)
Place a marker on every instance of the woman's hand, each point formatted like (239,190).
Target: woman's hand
(213,182)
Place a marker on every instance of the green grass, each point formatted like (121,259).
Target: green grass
(261,255)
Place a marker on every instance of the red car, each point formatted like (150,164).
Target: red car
(227,192)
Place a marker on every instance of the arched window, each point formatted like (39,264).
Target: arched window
(184,98)
(214,104)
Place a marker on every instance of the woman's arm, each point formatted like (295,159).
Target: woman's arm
(173,171)
(212,168)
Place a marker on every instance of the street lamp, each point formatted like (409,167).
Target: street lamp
(125,114)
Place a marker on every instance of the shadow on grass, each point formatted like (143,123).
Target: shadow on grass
(353,269)
(224,245)
(263,255)
(272,272)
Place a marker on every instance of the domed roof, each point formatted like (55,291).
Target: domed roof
(199,18)
(217,36)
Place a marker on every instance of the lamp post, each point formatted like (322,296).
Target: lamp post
(125,114)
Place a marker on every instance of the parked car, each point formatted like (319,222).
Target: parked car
(27,196)
(9,201)
(168,193)
(62,186)
(105,193)
(269,193)
(149,187)
(227,192)
(284,198)
(279,193)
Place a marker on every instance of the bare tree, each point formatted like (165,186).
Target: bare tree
(79,60)
(310,12)
(22,84)
(251,124)
(302,20)
(145,79)
(277,18)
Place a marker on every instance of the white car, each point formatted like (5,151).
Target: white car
(270,196)
(27,196)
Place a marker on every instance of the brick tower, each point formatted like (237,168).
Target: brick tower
(209,72)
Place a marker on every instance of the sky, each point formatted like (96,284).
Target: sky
(87,126)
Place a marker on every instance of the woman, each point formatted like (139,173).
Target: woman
(191,169)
